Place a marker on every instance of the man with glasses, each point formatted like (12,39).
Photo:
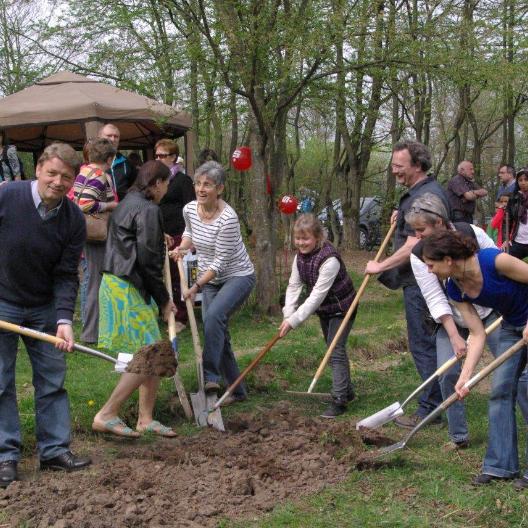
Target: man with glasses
(506,175)
(179,193)
(410,163)
(122,171)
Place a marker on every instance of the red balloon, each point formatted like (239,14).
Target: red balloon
(241,158)
(288,204)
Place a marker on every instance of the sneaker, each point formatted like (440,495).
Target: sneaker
(520,483)
(410,422)
(484,478)
(455,446)
(333,410)
(211,386)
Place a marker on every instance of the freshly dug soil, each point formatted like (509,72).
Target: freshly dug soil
(194,481)
(157,359)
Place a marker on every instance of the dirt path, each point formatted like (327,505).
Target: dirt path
(194,481)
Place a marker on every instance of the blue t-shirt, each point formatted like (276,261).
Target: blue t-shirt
(506,296)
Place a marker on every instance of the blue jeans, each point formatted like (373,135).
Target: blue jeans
(49,370)
(522,394)
(422,347)
(502,459)
(219,302)
(456,414)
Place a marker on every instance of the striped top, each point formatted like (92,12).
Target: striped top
(219,244)
(96,193)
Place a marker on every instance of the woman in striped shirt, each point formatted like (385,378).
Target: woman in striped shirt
(94,192)
(225,273)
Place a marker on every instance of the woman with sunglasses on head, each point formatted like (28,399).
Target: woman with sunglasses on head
(428,215)
(180,193)
(499,281)
(518,214)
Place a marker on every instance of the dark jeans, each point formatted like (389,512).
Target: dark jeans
(219,302)
(49,370)
(341,382)
(422,347)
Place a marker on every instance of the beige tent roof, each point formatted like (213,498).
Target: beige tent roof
(58,107)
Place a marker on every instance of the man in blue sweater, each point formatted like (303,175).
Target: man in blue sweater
(41,235)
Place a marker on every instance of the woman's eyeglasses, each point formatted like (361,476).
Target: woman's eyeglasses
(159,155)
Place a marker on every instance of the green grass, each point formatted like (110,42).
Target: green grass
(421,486)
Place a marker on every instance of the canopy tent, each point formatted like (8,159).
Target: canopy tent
(70,107)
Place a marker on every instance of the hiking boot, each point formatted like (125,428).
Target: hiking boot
(231,399)
(333,410)
(456,446)
(351,395)
(520,484)
(211,386)
(410,422)
(484,478)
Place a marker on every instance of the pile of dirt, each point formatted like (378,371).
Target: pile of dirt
(195,481)
(157,359)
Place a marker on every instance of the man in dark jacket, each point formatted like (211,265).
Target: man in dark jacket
(122,171)
(41,235)
(410,162)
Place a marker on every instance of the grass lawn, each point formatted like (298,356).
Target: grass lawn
(417,487)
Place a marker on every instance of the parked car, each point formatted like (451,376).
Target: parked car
(369,221)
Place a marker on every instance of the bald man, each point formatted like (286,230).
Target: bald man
(463,192)
(122,171)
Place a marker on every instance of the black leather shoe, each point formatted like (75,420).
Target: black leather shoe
(520,483)
(484,478)
(8,473)
(65,462)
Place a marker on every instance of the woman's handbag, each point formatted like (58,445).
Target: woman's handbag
(96,223)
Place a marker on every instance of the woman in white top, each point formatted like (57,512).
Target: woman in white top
(518,213)
(225,273)
(426,216)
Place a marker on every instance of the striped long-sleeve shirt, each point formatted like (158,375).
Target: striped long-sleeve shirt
(97,191)
(219,244)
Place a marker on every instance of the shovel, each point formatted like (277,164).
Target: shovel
(201,403)
(180,389)
(348,315)
(452,399)
(246,371)
(42,336)
(393,411)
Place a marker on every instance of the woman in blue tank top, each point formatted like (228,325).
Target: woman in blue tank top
(500,281)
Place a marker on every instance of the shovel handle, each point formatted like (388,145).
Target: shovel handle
(54,340)
(350,311)
(447,365)
(178,383)
(194,327)
(247,370)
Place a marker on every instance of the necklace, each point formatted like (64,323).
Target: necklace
(209,216)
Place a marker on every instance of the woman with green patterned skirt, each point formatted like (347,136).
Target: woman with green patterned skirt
(131,290)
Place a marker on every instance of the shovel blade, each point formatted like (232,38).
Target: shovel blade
(199,405)
(389,449)
(214,418)
(381,417)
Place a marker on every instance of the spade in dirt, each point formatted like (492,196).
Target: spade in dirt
(201,402)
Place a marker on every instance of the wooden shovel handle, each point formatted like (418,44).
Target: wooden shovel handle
(35,334)
(194,327)
(247,370)
(350,311)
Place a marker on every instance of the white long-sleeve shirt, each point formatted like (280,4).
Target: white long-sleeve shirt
(327,274)
(434,294)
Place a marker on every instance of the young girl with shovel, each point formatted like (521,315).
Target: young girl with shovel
(320,268)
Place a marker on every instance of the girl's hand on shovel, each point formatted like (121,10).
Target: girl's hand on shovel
(167,309)
(65,334)
(284,328)
(525,333)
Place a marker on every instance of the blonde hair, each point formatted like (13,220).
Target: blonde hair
(309,223)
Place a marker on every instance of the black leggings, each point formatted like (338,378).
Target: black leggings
(519,250)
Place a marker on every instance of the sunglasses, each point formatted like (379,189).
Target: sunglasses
(418,210)
(162,156)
